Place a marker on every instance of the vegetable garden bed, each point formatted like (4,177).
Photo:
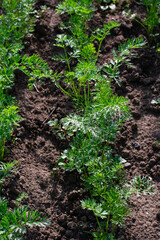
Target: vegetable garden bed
(37,146)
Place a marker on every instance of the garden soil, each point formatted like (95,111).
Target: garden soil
(57,194)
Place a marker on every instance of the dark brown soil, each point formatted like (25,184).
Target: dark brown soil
(37,149)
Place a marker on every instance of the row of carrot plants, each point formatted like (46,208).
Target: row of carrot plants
(92,130)
(15,23)
(100,115)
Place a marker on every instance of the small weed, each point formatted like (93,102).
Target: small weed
(20,198)
(142,184)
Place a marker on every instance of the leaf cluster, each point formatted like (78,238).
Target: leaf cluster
(83,50)
(8,120)
(35,68)
(16,21)
(82,8)
(14,223)
(6,169)
(122,55)
(151,21)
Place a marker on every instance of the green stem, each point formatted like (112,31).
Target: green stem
(103,156)
(99,48)
(113,228)
(79,88)
(141,24)
(85,95)
(88,91)
(2,148)
(67,93)
(99,224)
(67,59)
(85,26)
(74,89)
(107,223)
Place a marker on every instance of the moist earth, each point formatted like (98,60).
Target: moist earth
(57,194)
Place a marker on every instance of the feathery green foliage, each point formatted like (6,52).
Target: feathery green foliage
(35,68)
(82,8)
(79,44)
(16,22)
(6,169)
(78,80)
(122,56)
(14,223)
(100,34)
(90,154)
(8,120)
(152,19)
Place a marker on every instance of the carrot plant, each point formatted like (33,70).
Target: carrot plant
(111,208)
(8,120)
(14,223)
(35,68)
(95,129)
(122,55)
(6,169)
(83,9)
(152,20)
(81,45)
(14,24)
(90,154)
(10,43)
(79,12)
